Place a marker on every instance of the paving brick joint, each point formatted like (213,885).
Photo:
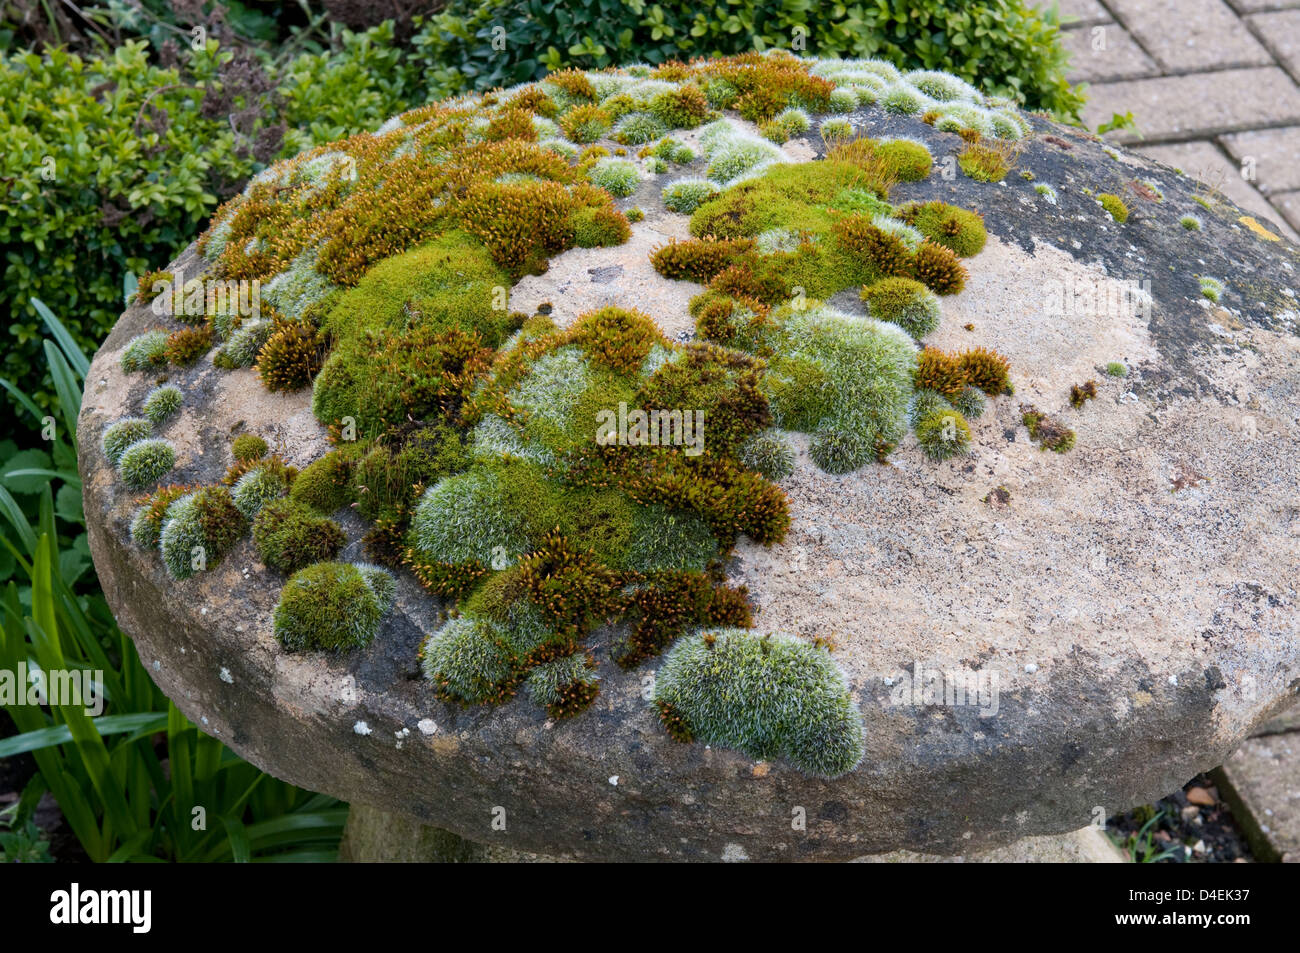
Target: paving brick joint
(1213,85)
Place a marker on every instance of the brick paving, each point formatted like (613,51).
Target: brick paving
(1214,86)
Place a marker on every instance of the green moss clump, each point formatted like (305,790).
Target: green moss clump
(618,177)
(983,162)
(120,435)
(326,484)
(161,403)
(289,535)
(840,451)
(600,227)
(906,159)
(1049,433)
(563,686)
(769,453)
(468,518)
(145,462)
(771,696)
(387,479)
(145,352)
(970,402)
(1114,206)
(905,302)
(637,128)
(663,539)
(467,660)
(146,525)
(332,607)
(957,229)
(1117,369)
(846,379)
(257,487)
(199,529)
(686,195)
(249,446)
(943,434)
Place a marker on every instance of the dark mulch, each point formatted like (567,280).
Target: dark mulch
(1192,833)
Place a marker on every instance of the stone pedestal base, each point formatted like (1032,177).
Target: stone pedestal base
(375,836)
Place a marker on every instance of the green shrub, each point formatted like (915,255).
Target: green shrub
(113,164)
(1008,47)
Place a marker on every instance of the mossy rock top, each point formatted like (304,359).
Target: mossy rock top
(664,651)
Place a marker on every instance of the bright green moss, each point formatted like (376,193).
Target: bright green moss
(161,403)
(599,227)
(248,446)
(769,697)
(957,229)
(445,284)
(943,434)
(120,435)
(326,484)
(332,607)
(1117,369)
(908,159)
(902,301)
(1114,206)
(145,462)
(289,535)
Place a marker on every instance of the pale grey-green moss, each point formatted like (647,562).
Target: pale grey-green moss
(161,403)
(120,435)
(768,696)
(145,462)
(332,607)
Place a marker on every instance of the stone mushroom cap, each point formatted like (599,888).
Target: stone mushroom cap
(1133,601)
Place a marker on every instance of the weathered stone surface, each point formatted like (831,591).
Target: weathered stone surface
(1199,104)
(1289,720)
(1086,846)
(1261,783)
(1211,166)
(1135,598)
(374,836)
